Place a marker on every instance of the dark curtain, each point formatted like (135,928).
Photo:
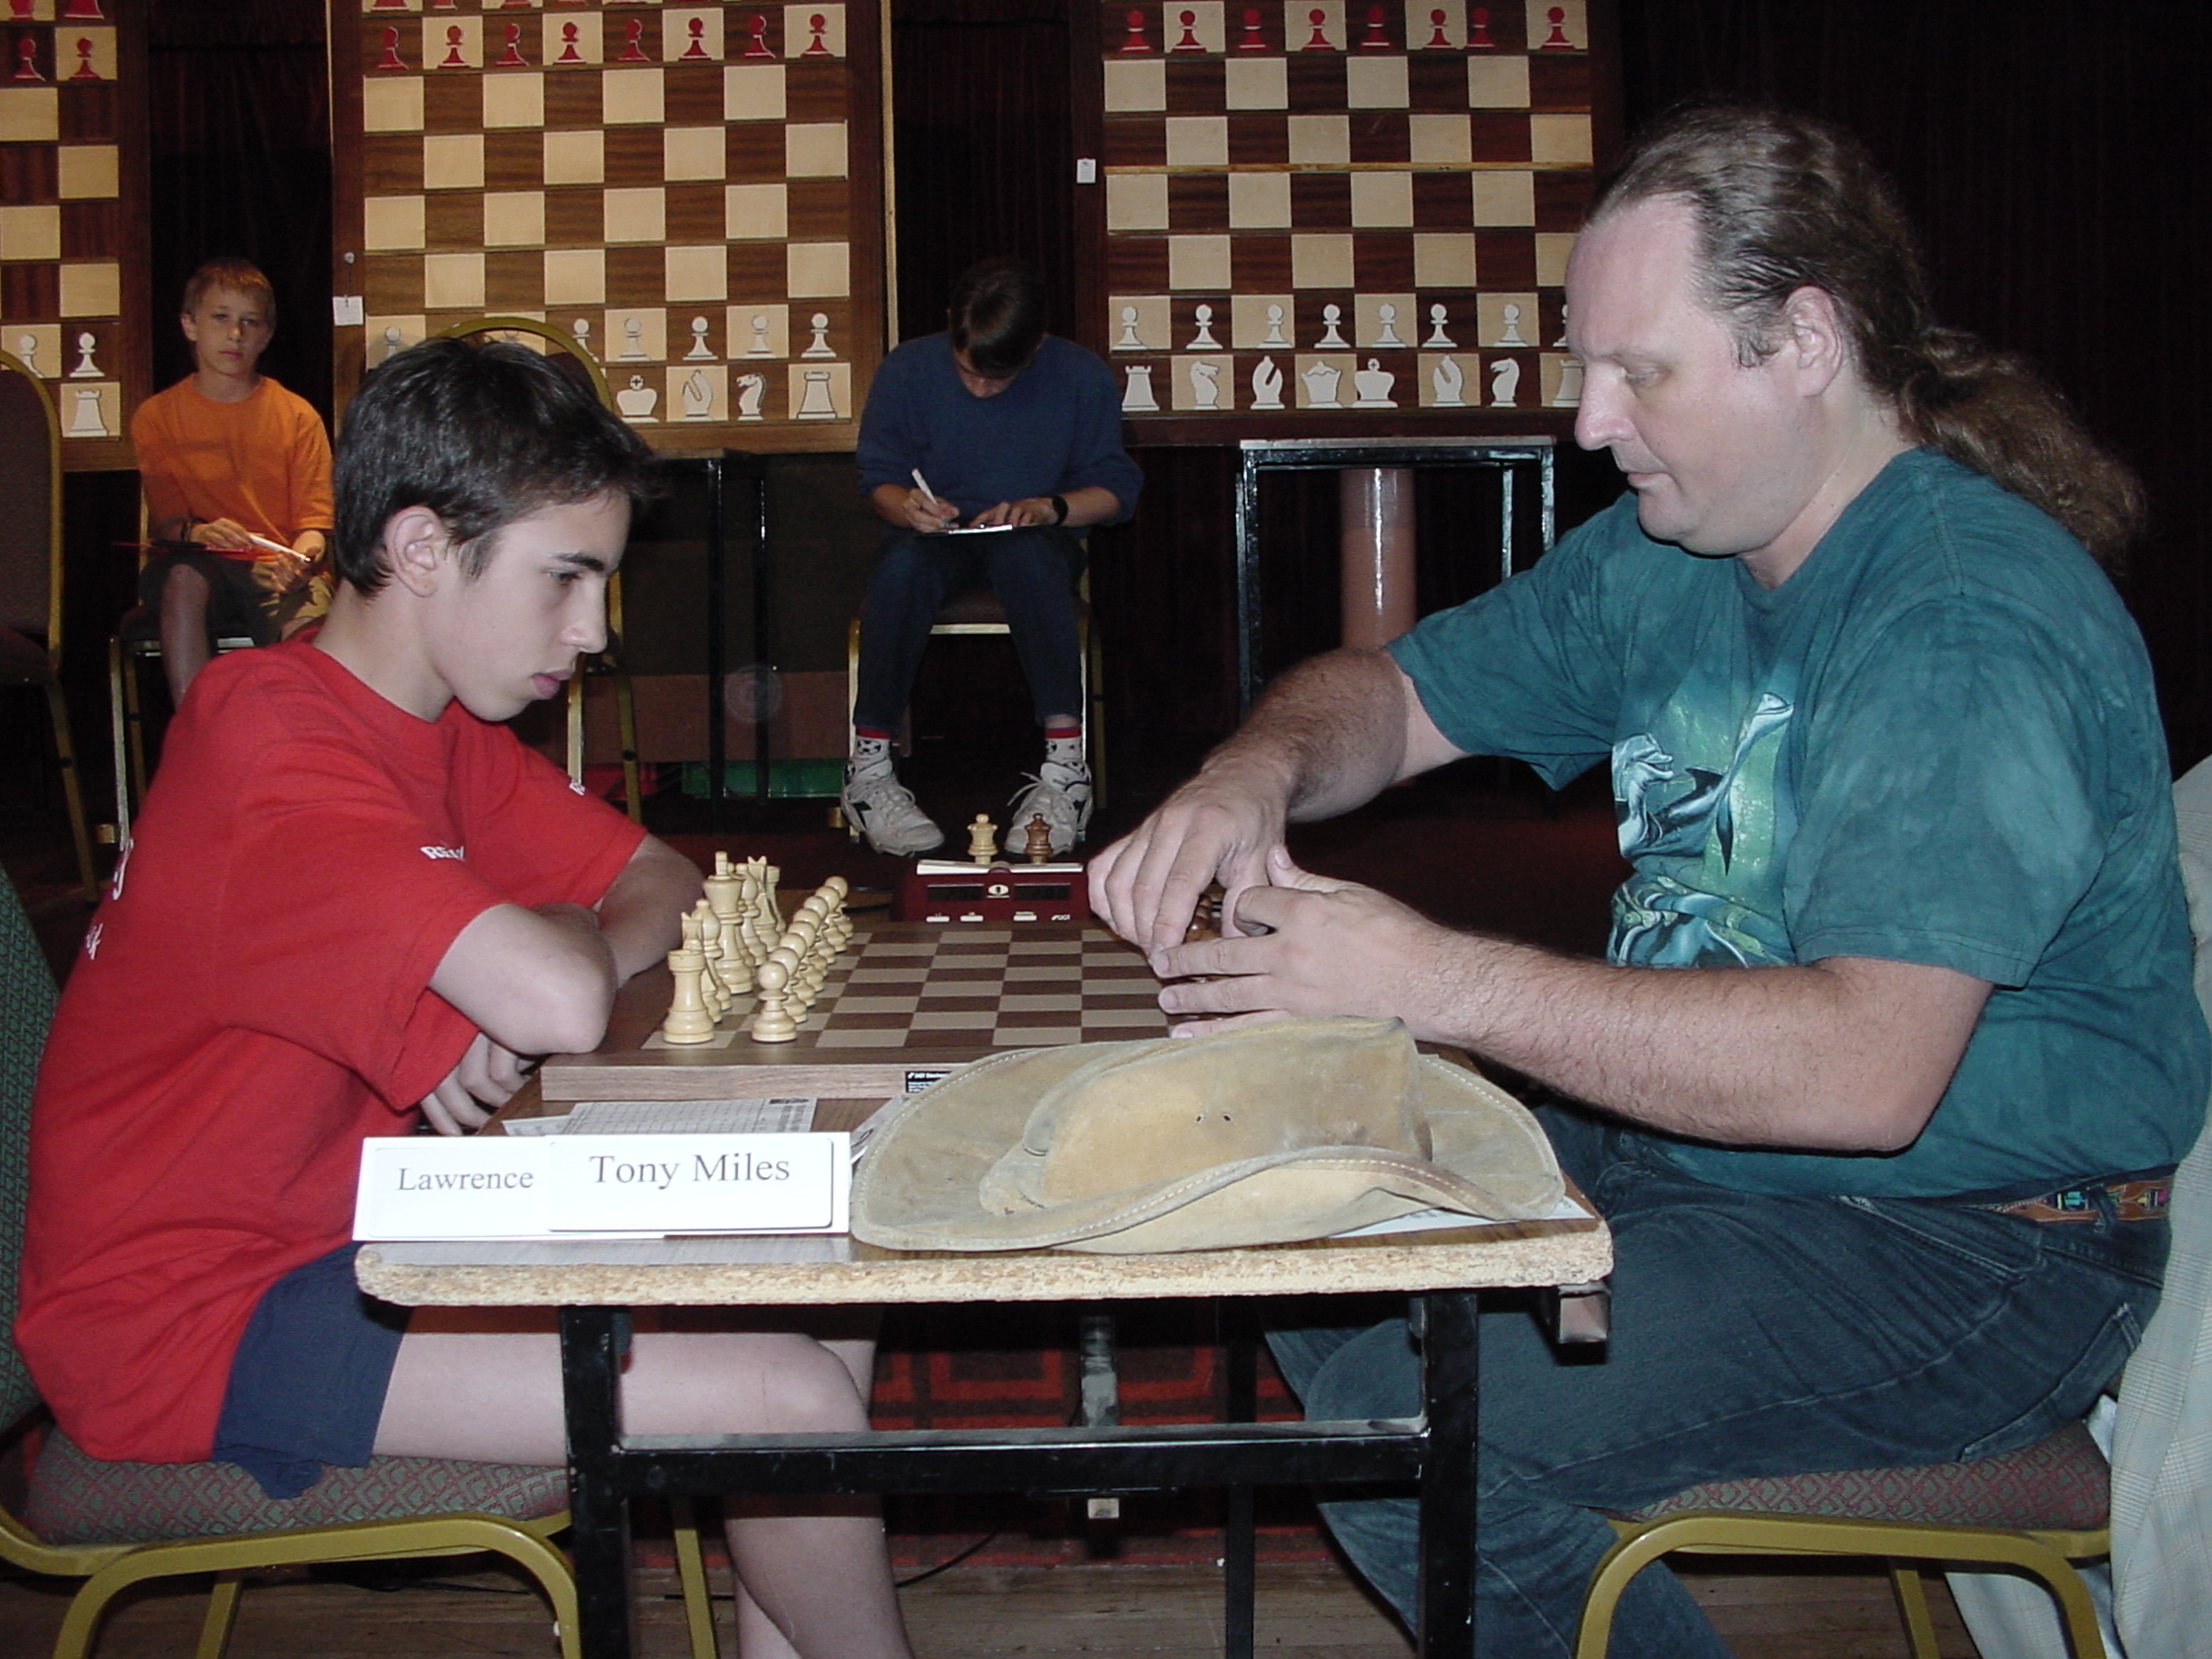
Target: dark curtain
(2054,158)
(982,148)
(240,129)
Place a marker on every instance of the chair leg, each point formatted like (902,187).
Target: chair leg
(626,720)
(691,1574)
(222,1612)
(575,727)
(1912,1605)
(65,753)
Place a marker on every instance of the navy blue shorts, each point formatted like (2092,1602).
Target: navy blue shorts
(307,1383)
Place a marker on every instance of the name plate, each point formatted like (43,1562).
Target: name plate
(558,1186)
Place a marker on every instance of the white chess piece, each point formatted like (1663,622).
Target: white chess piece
(760,346)
(1275,335)
(698,397)
(637,401)
(1137,394)
(1568,394)
(816,402)
(1320,385)
(1204,340)
(1205,390)
(700,347)
(1445,380)
(1267,386)
(391,340)
(1331,315)
(633,339)
(86,369)
(1437,336)
(818,345)
(1388,315)
(85,420)
(1510,333)
(750,390)
(1374,384)
(1505,381)
(1562,340)
(581,330)
(1129,341)
(26,347)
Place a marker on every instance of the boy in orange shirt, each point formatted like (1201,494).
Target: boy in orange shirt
(239,467)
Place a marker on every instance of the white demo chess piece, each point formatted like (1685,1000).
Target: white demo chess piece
(1130,340)
(1320,385)
(698,397)
(1445,379)
(750,390)
(1568,394)
(1137,394)
(760,346)
(1437,336)
(819,347)
(637,401)
(700,350)
(633,339)
(1510,333)
(26,347)
(581,330)
(816,402)
(1267,386)
(1205,388)
(85,421)
(1386,315)
(1275,334)
(391,340)
(1331,315)
(1505,383)
(1202,339)
(86,369)
(1374,384)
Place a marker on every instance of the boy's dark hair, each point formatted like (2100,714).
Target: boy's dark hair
(998,316)
(231,274)
(479,435)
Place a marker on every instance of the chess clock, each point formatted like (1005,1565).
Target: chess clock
(1339,217)
(692,189)
(73,299)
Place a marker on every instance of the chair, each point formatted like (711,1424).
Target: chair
(30,574)
(118,1523)
(979,613)
(565,349)
(2040,1510)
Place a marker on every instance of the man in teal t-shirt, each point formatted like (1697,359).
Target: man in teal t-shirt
(1897,1041)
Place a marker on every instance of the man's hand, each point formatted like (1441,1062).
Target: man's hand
(1036,510)
(1223,824)
(484,1079)
(1311,945)
(224,534)
(927,514)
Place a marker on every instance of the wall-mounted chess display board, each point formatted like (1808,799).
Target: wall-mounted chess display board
(695,191)
(72,214)
(1342,216)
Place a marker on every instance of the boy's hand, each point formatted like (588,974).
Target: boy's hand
(484,1080)
(224,534)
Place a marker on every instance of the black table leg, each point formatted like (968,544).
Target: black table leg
(1448,1474)
(1240,1339)
(592,1344)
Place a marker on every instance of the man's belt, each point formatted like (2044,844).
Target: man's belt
(2130,1201)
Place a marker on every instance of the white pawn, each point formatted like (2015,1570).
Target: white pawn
(1437,336)
(700,347)
(1331,315)
(772,1023)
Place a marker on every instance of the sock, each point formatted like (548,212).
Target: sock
(871,753)
(1063,747)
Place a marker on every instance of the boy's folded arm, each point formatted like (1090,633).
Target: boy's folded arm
(535,982)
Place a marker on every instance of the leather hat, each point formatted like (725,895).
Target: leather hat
(1262,1134)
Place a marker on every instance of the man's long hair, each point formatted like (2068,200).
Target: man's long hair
(1781,201)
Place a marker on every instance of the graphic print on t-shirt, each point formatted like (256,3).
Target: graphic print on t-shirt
(1699,814)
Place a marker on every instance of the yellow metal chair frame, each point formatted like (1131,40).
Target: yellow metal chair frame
(609,660)
(46,673)
(1903,1545)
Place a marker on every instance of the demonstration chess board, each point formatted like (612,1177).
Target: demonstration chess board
(904,1003)
(695,191)
(73,214)
(1341,206)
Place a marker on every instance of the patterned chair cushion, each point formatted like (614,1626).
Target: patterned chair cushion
(79,1499)
(2057,1484)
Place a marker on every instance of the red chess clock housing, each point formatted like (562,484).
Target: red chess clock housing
(943,892)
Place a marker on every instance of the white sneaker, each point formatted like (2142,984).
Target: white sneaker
(1059,794)
(883,809)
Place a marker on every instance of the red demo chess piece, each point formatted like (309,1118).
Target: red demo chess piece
(454,59)
(1319,40)
(757,30)
(511,55)
(1254,40)
(85,71)
(26,53)
(391,58)
(633,36)
(19,11)
(1188,41)
(1436,41)
(697,28)
(818,25)
(1135,41)
(84,11)
(1557,40)
(1478,31)
(1374,39)
(569,54)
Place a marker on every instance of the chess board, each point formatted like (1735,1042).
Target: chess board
(73,214)
(693,190)
(1336,205)
(903,1004)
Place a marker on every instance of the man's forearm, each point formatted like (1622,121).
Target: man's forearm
(1326,736)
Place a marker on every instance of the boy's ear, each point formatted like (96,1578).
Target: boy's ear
(416,549)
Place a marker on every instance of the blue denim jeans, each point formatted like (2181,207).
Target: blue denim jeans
(1033,572)
(1751,1336)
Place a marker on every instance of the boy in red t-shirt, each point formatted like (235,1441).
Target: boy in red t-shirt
(239,467)
(352,817)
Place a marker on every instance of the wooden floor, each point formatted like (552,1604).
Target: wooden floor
(1312,1612)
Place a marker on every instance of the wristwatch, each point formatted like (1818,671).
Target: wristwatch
(1060,506)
